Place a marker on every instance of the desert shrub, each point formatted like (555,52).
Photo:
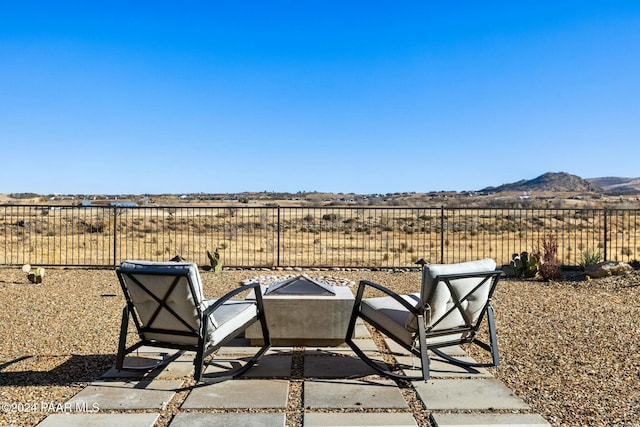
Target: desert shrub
(548,266)
(590,257)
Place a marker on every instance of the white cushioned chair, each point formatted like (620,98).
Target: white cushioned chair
(167,306)
(453,301)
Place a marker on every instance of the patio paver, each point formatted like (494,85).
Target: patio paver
(182,366)
(353,394)
(342,419)
(477,394)
(99,420)
(196,419)
(336,366)
(440,368)
(154,394)
(483,420)
(269,366)
(239,394)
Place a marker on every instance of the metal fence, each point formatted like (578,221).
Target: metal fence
(307,236)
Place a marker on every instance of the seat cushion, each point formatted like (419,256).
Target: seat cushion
(390,314)
(230,316)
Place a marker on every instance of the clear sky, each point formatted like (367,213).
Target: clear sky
(338,96)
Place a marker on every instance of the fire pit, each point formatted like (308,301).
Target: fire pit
(300,285)
(302,310)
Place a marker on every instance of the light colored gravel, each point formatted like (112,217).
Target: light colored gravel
(569,349)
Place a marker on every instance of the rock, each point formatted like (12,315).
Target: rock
(608,268)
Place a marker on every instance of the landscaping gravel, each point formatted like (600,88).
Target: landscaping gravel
(570,349)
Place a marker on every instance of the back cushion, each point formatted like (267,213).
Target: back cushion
(438,297)
(158,277)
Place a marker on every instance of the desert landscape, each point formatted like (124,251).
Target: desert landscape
(325,230)
(568,346)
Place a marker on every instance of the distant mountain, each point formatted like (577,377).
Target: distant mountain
(549,182)
(617,186)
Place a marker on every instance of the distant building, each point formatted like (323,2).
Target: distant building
(105,203)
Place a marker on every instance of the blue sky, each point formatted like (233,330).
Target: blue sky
(365,97)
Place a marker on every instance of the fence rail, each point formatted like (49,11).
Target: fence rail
(307,236)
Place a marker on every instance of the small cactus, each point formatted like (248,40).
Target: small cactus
(214,260)
(522,265)
(34,276)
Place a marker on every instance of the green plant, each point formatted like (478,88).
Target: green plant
(522,265)
(590,257)
(214,260)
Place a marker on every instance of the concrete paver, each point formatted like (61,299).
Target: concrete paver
(353,394)
(336,366)
(154,394)
(269,366)
(239,394)
(366,345)
(487,420)
(353,419)
(440,368)
(195,419)
(243,347)
(181,367)
(99,420)
(477,394)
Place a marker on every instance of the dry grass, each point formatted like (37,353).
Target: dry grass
(569,349)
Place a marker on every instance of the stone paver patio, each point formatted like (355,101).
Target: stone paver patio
(335,389)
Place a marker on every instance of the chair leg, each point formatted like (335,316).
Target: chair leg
(376,366)
(199,360)
(492,347)
(265,347)
(242,369)
(123,351)
(424,357)
(122,341)
(493,339)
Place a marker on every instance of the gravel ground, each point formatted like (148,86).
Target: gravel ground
(569,349)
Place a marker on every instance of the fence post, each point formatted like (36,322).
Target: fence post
(115,234)
(606,232)
(442,234)
(278,239)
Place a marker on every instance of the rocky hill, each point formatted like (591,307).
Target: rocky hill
(550,182)
(617,186)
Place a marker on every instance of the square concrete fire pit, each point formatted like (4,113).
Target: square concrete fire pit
(304,311)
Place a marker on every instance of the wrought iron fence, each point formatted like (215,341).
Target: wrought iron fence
(307,236)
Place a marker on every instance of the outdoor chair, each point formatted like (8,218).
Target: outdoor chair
(166,303)
(453,301)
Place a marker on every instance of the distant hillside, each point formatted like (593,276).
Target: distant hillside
(617,186)
(549,182)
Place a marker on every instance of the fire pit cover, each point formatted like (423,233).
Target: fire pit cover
(300,285)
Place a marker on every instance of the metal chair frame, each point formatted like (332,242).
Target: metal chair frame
(202,349)
(423,333)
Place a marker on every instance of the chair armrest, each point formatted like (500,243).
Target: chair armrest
(231,294)
(364,283)
(441,277)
